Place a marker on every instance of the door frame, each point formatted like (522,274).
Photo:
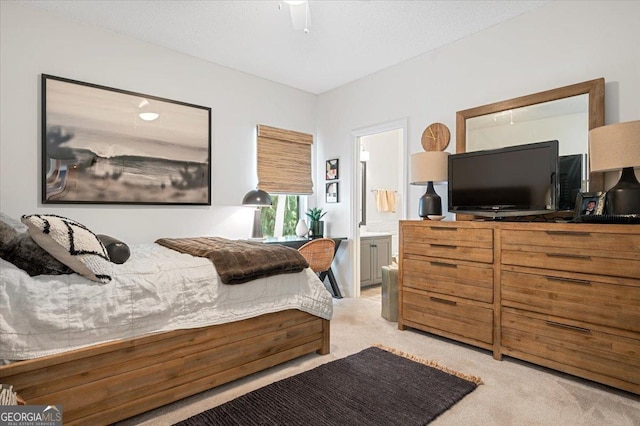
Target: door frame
(357,184)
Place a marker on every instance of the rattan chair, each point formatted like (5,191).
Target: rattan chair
(319,253)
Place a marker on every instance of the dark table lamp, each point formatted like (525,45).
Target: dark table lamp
(259,199)
(426,168)
(615,147)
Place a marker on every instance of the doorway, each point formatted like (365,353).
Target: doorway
(380,199)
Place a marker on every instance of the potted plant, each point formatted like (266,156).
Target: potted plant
(316,226)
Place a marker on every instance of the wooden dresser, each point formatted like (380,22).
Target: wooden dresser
(564,296)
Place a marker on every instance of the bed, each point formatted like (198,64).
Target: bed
(165,327)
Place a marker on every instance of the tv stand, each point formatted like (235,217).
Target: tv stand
(563,296)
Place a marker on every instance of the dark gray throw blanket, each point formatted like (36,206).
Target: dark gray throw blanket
(240,261)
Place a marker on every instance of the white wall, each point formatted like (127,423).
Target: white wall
(33,42)
(558,44)
(555,45)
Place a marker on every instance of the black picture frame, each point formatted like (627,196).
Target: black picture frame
(99,147)
(332,192)
(332,169)
(583,201)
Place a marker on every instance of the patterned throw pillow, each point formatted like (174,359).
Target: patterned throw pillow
(72,244)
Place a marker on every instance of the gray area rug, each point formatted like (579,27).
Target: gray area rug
(373,387)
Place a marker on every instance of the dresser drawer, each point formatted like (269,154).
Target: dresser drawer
(449,314)
(586,261)
(587,251)
(455,278)
(599,242)
(449,250)
(449,233)
(448,240)
(592,352)
(581,297)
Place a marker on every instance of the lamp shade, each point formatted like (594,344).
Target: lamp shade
(428,166)
(615,146)
(257,197)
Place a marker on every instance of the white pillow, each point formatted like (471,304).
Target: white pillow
(72,244)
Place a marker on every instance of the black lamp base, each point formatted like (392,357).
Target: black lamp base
(430,203)
(624,197)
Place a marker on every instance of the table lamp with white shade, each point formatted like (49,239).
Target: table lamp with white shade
(617,147)
(427,168)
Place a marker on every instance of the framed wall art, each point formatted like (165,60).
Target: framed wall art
(332,169)
(108,146)
(332,192)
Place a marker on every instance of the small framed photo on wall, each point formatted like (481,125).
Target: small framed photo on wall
(332,169)
(332,192)
(589,203)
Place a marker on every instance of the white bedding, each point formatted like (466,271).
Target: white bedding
(157,289)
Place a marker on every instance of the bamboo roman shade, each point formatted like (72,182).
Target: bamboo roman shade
(284,161)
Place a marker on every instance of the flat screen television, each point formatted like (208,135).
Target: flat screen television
(514,181)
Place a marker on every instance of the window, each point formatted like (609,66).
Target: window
(284,161)
(281,218)
(284,168)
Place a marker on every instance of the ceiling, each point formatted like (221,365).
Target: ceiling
(347,40)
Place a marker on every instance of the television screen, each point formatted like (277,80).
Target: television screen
(514,181)
(570,180)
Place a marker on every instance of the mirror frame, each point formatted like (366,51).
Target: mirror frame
(594,88)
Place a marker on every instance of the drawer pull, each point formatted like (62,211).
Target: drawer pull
(444,265)
(569,233)
(568,327)
(443,229)
(568,280)
(443,246)
(569,255)
(445,301)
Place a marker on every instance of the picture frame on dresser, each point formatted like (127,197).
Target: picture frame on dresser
(589,203)
(102,145)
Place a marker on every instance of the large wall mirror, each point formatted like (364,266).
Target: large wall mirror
(566,114)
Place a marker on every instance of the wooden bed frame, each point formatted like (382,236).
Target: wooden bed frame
(109,382)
